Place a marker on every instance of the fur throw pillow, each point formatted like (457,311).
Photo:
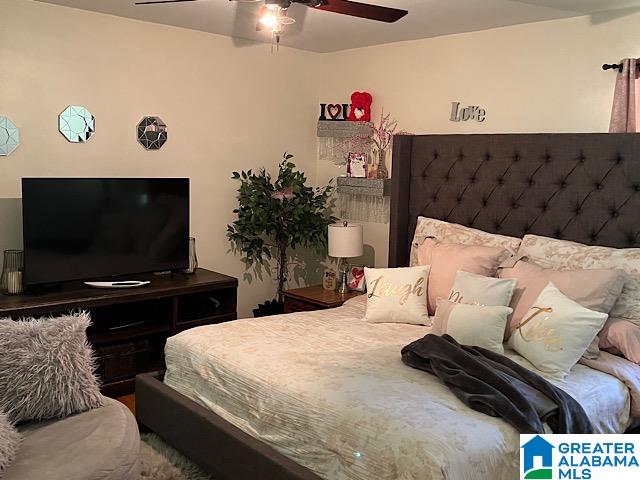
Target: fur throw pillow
(9,441)
(47,368)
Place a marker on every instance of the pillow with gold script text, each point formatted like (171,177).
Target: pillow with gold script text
(397,295)
(555,332)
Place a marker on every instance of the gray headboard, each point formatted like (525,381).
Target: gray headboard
(580,187)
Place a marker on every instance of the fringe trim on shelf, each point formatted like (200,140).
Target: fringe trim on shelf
(336,150)
(364,208)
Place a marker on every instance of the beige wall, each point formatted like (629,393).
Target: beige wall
(540,77)
(240,107)
(226,108)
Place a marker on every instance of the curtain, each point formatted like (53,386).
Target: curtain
(624,115)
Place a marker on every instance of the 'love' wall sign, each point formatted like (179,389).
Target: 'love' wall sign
(465,114)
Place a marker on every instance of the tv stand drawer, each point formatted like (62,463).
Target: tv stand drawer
(123,360)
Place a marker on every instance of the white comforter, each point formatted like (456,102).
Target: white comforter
(330,391)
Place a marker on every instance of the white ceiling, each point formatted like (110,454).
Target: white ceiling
(320,31)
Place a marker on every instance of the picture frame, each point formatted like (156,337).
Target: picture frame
(355,279)
(357,165)
(329,280)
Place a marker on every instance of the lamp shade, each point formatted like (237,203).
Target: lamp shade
(345,240)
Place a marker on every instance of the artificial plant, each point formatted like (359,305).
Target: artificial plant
(276,215)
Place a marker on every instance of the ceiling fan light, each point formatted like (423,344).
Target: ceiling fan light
(269,19)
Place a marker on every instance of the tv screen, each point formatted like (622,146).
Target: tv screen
(94,228)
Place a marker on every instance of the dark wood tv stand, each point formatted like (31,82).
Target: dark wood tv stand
(130,326)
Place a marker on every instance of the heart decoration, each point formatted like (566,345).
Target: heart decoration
(359,113)
(334,111)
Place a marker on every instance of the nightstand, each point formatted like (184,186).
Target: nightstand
(314,298)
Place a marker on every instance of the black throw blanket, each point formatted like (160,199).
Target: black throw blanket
(494,385)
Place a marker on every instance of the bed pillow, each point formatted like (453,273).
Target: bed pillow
(596,289)
(476,325)
(621,337)
(9,441)
(475,289)
(455,233)
(446,259)
(397,295)
(46,368)
(564,255)
(556,332)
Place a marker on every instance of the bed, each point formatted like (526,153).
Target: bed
(325,395)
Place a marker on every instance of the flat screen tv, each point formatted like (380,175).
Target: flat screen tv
(100,228)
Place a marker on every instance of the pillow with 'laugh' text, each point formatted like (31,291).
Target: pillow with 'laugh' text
(397,295)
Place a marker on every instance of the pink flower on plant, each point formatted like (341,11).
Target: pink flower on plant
(284,194)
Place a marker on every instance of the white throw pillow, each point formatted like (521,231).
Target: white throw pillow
(476,325)
(397,295)
(556,332)
(474,289)
(454,233)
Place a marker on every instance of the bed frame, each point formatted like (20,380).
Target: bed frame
(580,187)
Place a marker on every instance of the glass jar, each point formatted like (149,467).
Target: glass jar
(193,258)
(12,272)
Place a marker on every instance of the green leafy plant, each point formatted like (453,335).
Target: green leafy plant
(275,215)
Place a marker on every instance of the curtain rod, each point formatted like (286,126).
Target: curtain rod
(616,66)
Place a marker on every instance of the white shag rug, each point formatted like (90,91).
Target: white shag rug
(159,461)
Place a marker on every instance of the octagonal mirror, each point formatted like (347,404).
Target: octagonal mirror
(77,124)
(9,136)
(152,133)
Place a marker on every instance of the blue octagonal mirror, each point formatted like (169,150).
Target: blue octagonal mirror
(76,124)
(9,136)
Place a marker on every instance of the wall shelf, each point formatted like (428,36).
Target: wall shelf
(364,199)
(372,187)
(343,129)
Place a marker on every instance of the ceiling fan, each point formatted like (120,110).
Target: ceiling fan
(273,13)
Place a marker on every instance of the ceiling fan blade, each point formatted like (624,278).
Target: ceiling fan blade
(363,10)
(154,2)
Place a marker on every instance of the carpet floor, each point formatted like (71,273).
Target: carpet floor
(159,461)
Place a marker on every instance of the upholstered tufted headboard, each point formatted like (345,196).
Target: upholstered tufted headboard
(580,187)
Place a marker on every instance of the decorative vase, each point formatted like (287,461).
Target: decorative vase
(382,164)
(12,272)
(193,258)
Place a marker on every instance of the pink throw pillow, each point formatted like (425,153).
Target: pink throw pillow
(446,259)
(620,336)
(596,289)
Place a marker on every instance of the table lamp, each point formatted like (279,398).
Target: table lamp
(345,241)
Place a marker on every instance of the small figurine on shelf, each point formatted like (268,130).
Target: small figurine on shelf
(372,168)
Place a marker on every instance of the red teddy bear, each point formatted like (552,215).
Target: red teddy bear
(360,107)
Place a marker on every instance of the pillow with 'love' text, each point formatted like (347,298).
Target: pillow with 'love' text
(555,332)
(397,295)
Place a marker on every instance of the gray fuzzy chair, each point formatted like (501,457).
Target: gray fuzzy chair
(99,444)
(49,392)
